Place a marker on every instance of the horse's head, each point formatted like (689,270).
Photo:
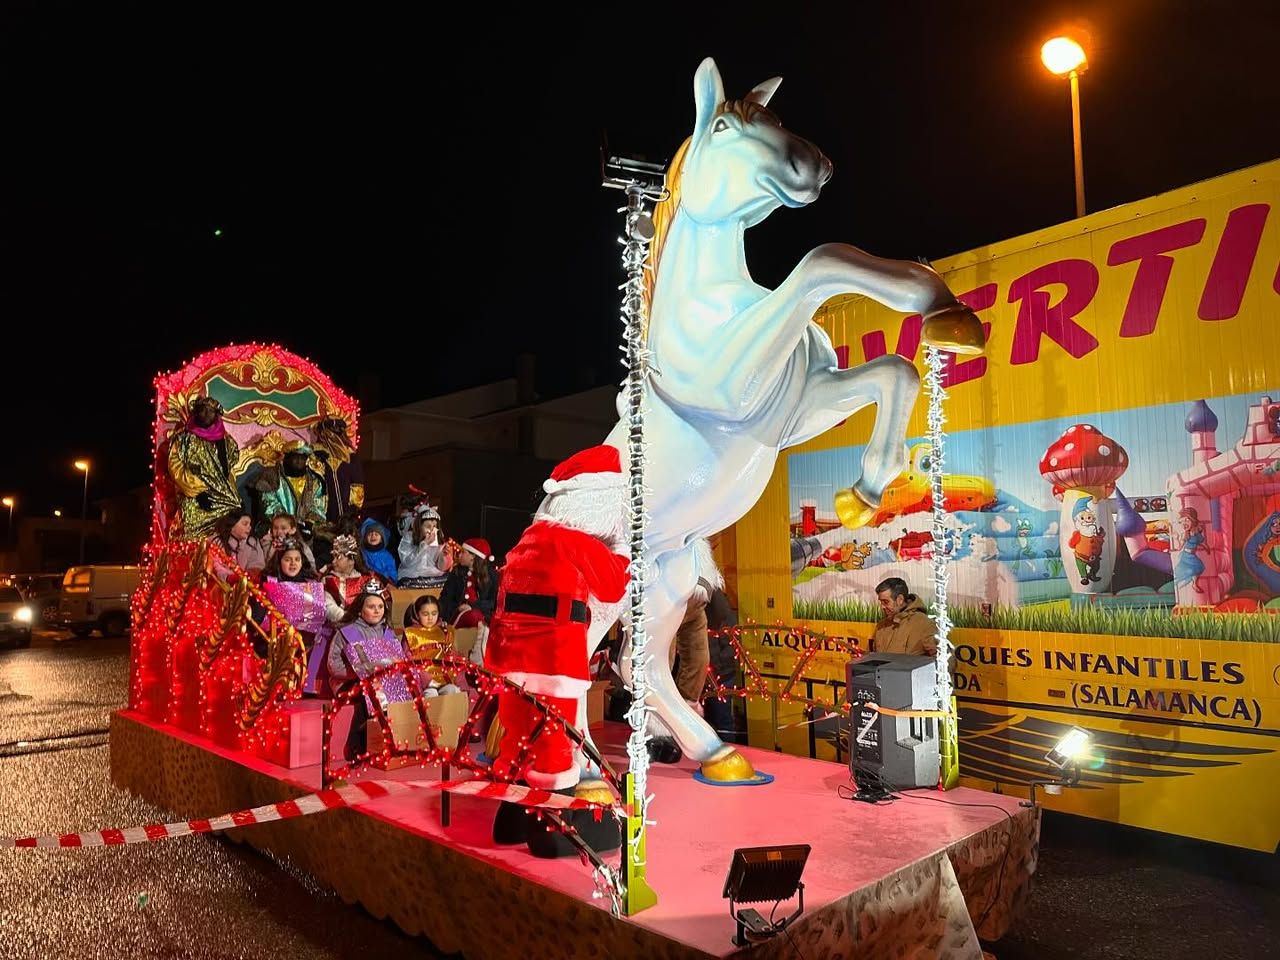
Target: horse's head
(741,163)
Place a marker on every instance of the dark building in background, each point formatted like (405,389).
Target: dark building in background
(481,454)
(114,532)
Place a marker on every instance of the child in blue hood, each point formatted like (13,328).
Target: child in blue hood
(373,545)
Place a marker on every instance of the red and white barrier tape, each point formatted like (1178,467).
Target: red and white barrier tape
(350,795)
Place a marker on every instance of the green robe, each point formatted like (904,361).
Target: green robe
(310,507)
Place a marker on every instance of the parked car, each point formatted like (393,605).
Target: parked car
(97,597)
(42,592)
(15,618)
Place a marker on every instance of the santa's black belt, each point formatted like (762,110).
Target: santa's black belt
(545,605)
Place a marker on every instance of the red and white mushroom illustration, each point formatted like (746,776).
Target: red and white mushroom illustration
(1083,465)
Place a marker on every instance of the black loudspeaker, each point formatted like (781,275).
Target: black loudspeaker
(885,750)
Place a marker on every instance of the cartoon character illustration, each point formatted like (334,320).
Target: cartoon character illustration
(1262,553)
(912,491)
(854,555)
(1190,568)
(1025,552)
(1269,554)
(847,556)
(1087,540)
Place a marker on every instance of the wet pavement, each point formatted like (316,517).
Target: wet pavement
(194,897)
(1113,893)
(1101,892)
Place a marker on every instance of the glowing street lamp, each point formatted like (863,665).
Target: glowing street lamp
(1062,55)
(84,504)
(9,502)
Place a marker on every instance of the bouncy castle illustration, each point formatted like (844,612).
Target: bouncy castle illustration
(1228,501)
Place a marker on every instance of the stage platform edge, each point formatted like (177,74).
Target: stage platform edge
(394,860)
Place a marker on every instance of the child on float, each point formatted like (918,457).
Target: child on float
(284,526)
(378,558)
(233,534)
(427,637)
(342,585)
(470,594)
(424,561)
(363,644)
(294,589)
(346,577)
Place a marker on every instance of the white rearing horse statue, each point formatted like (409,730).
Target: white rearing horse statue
(740,372)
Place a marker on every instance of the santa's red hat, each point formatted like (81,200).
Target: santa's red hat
(594,467)
(480,547)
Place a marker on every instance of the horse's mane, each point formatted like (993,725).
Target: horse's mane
(664,213)
(663,216)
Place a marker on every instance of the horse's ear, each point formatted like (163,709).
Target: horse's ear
(708,94)
(762,93)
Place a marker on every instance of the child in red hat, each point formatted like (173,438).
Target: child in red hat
(470,595)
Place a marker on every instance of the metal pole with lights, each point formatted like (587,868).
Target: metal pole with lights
(9,502)
(644,184)
(1062,55)
(83,465)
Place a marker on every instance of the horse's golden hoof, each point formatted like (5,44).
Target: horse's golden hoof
(493,739)
(853,510)
(728,766)
(955,329)
(594,791)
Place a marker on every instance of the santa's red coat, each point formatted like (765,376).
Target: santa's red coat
(549,656)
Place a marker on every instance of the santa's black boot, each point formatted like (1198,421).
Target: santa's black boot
(547,840)
(512,824)
(599,828)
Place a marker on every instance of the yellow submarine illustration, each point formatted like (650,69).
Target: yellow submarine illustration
(910,493)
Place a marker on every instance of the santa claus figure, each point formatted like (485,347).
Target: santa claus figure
(538,637)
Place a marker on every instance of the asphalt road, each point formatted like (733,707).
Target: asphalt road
(197,897)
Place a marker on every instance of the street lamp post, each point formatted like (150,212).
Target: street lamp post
(83,465)
(1062,55)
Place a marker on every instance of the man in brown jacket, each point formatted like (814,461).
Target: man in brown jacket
(906,627)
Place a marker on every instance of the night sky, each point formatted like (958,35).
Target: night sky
(421,203)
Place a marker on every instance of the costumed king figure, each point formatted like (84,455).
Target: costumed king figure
(202,457)
(538,640)
(341,466)
(294,488)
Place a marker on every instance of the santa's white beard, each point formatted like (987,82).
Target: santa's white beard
(598,511)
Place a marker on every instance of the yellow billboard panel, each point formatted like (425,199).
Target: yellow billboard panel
(1112,482)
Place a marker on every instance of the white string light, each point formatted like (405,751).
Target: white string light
(943,541)
(635,253)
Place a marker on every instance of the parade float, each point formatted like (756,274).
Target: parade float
(410,826)
(1112,520)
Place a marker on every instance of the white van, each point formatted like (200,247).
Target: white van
(97,597)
